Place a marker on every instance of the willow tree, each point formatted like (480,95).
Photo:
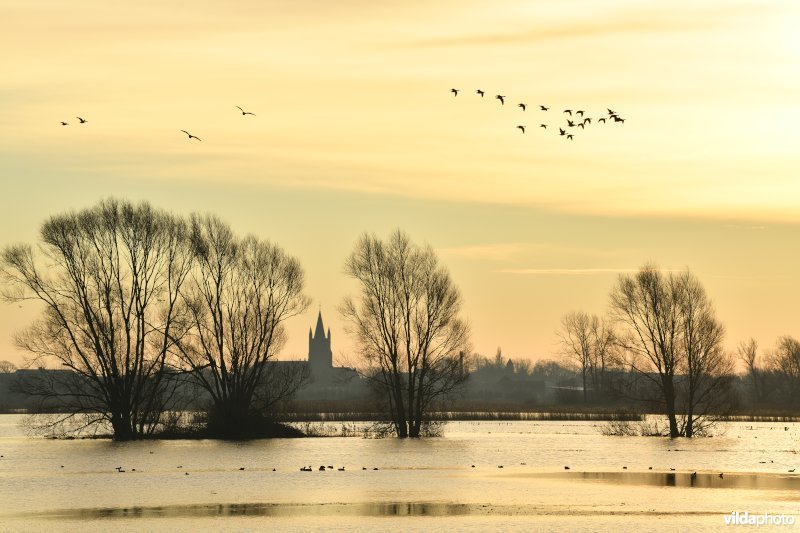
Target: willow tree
(109,279)
(648,303)
(407,326)
(747,352)
(241,292)
(784,364)
(674,341)
(706,370)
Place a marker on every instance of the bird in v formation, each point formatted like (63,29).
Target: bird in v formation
(191,136)
(571,123)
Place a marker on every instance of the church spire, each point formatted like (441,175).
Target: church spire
(320,356)
(319,331)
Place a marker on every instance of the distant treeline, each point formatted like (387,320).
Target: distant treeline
(497,389)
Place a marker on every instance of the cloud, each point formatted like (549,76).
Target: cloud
(642,21)
(645,23)
(573,271)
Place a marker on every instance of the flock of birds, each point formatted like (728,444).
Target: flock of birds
(190,136)
(324,468)
(576,118)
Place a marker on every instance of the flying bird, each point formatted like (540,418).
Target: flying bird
(191,136)
(543,108)
(603,120)
(83,120)
(64,123)
(618,119)
(580,125)
(587,120)
(245,112)
(568,111)
(579,112)
(523,106)
(522,128)
(570,124)
(569,137)
(480,92)
(454,91)
(611,112)
(561,131)
(543,126)
(501,98)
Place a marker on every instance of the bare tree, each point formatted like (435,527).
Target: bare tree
(604,353)
(241,292)
(575,335)
(784,362)
(705,368)
(7,367)
(674,341)
(407,326)
(748,354)
(587,341)
(109,278)
(648,303)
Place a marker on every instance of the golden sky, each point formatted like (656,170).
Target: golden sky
(356,130)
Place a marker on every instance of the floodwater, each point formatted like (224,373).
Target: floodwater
(613,483)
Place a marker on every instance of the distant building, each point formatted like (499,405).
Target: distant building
(320,356)
(328,382)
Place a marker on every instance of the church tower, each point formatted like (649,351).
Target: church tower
(320,356)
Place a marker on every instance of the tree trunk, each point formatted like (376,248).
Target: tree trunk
(121,425)
(690,416)
(669,400)
(584,383)
(400,419)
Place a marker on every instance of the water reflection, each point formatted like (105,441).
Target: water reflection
(685,479)
(264,509)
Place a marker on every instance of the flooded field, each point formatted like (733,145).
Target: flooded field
(528,475)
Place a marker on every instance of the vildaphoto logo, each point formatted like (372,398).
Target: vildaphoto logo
(746,519)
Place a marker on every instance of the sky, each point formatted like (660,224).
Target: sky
(356,130)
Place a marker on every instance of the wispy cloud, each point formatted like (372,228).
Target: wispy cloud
(572,271)
(547,34)
(639,21)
